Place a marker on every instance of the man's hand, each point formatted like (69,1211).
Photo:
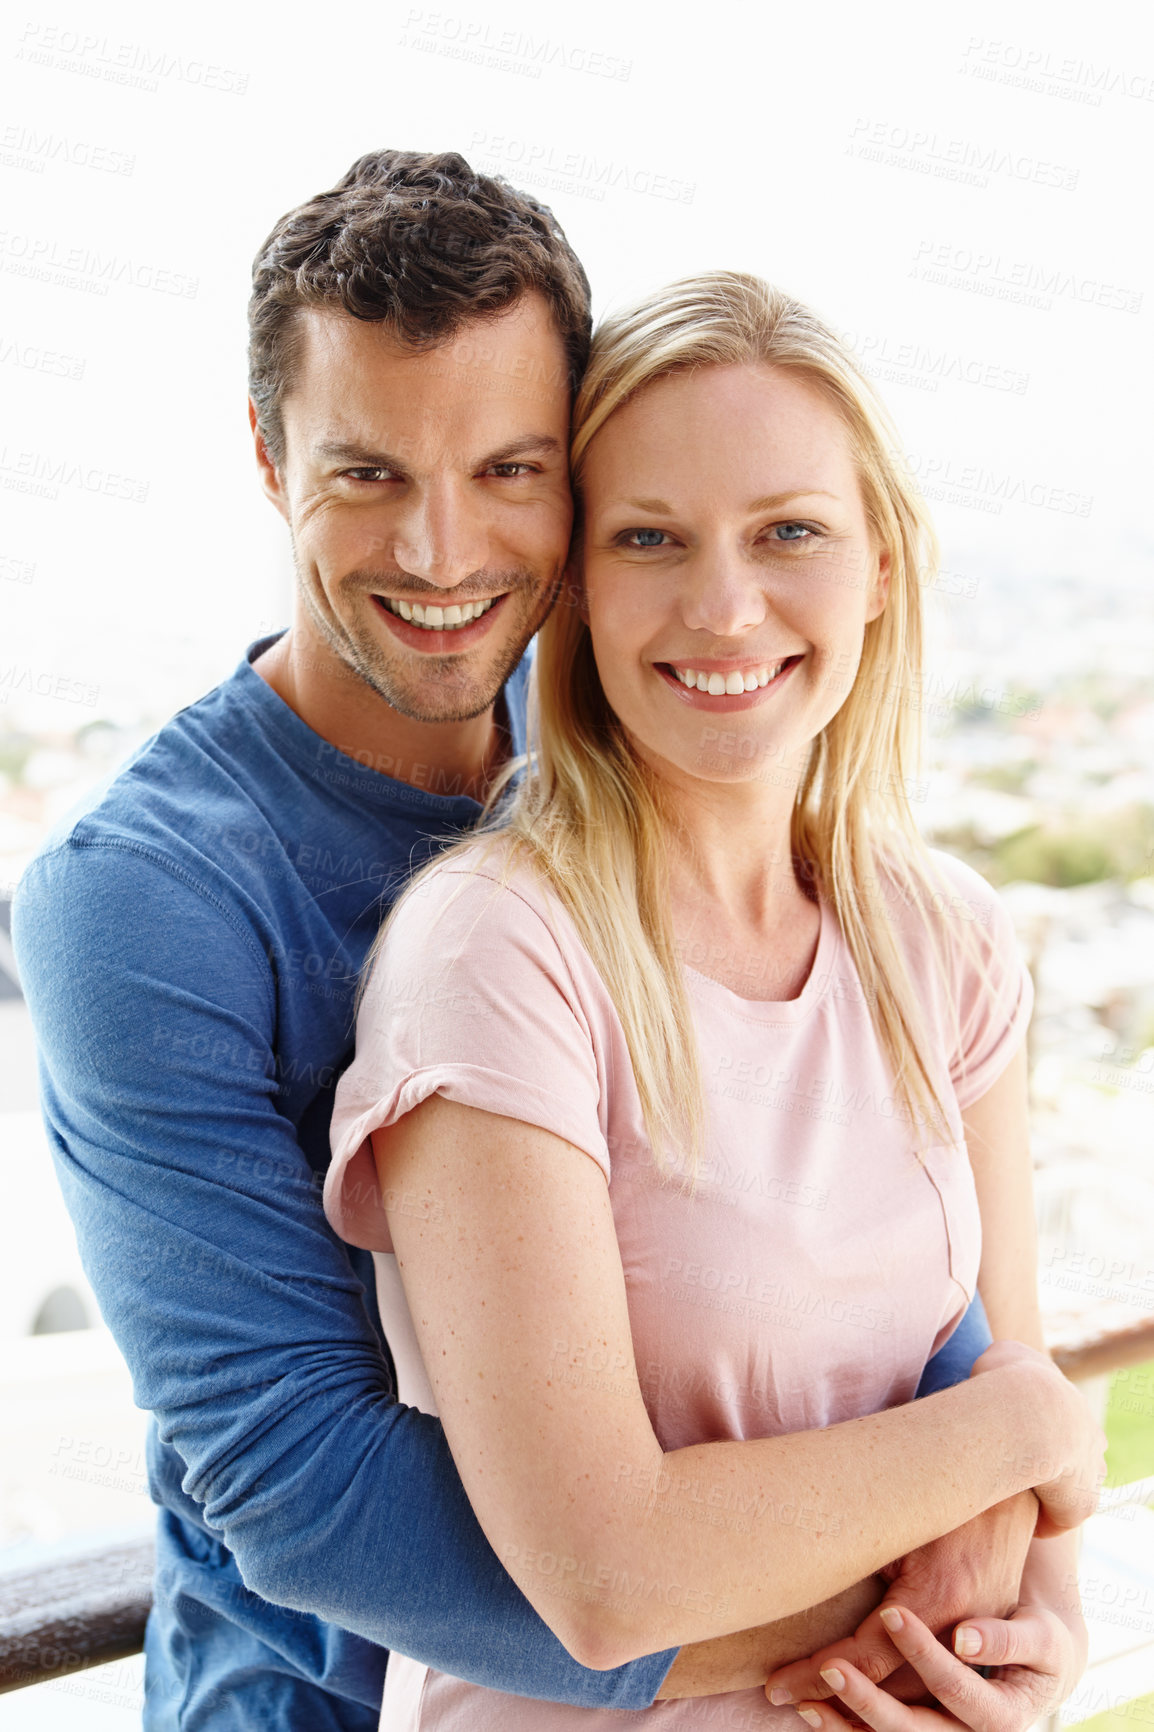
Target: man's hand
(976,1570)
(1037,1653)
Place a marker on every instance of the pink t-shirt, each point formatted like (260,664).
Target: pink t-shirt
(820,1261)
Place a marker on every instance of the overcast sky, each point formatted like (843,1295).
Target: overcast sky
(964,190)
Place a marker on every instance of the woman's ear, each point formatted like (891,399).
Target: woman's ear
(880,590)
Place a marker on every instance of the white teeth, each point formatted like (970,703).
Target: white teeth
(728,685)
(438,618)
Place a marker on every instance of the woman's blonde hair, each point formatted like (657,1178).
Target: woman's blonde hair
(589,815)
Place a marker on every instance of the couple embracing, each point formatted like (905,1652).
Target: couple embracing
(606,1334)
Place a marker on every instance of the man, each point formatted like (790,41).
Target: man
(191,943)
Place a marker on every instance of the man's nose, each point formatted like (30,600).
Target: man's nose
(722,593)
(441,537)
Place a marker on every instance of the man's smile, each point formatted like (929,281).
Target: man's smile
(436,618)
(435,629)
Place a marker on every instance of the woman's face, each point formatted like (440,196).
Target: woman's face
(729,571)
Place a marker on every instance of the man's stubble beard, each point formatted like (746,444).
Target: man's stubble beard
(359,651)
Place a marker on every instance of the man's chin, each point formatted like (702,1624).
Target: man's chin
(441,691)
(441,707)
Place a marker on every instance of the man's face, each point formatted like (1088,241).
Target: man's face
(428,497)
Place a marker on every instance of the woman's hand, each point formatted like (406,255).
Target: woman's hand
(1068,1479)
(1038,1655)
(976,1569)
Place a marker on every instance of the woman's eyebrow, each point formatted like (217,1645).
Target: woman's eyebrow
(771,502)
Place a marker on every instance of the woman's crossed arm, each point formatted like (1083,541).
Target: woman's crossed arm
(590,1516)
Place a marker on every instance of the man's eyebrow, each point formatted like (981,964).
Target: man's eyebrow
(332,451)
(530,445)
(771,502)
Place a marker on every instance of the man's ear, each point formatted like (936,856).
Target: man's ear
(269,477)
(880,587)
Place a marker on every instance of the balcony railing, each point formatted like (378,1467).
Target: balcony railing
(79,1610)
(90,1607)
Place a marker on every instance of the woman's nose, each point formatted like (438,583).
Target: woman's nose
(721,593)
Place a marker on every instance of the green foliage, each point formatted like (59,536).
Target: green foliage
(1060,857)
(1117,844)
(1136,1716)
(1130,1425)
(14,754)
(1005,778)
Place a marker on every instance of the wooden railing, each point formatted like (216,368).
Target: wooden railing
(90,1607)
(77,1610)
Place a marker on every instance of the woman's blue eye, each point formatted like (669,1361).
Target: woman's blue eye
(791,531)
(647,537)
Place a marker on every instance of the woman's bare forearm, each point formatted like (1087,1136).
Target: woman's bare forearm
(820,1510)
(744,1660)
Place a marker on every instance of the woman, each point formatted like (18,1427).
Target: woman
(662,1090)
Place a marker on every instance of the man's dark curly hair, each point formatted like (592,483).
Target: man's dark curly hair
(418,242)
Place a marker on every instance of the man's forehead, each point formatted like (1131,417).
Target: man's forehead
(497,371)
(523,336)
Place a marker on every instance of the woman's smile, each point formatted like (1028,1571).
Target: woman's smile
(721,686)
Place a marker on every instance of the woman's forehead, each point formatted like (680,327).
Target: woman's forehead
(770,426)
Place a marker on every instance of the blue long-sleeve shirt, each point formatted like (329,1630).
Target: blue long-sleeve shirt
(190,945)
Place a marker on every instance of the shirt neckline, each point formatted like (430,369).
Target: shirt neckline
(784,1010)
(313,756)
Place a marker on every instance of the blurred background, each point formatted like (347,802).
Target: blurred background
(959,190)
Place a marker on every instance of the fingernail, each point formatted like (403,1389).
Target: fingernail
(891,1618)
(779,1697)
(834,1678)
(810,1716)
(967,1642)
